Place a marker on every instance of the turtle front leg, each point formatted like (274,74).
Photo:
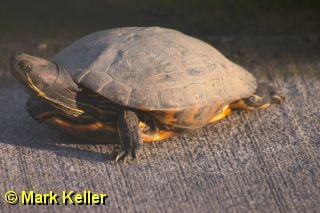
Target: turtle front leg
(130,137)
(263,98)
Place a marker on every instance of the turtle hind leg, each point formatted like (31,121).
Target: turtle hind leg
(225,111)
(263,98)
(130,137)
(158,135)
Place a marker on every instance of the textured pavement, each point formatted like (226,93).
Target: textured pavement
(264,161)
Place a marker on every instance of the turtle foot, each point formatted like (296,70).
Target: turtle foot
(122,154)
(130,137)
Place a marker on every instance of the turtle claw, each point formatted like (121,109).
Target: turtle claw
(277,99)
(124,155)
(121,156)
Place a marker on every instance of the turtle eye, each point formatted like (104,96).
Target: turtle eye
(25,66)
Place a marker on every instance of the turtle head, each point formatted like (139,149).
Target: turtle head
(36,73)
(47,80)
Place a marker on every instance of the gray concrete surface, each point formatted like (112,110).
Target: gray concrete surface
(264,161)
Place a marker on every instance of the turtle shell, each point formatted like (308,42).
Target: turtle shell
(153,68)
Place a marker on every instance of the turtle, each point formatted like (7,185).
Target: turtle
(132,85)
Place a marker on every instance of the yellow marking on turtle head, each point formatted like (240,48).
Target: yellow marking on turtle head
(44,96)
